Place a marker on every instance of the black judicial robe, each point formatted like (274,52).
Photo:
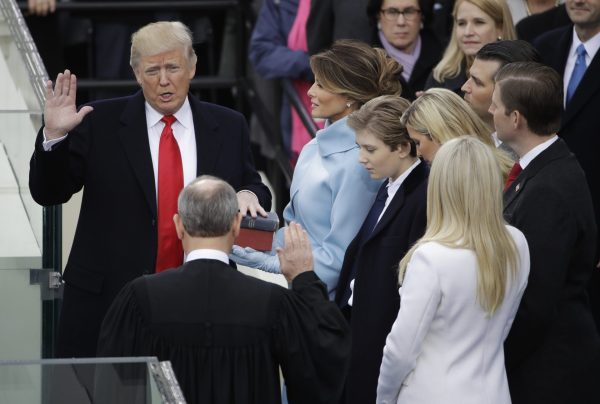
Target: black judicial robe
(226,334)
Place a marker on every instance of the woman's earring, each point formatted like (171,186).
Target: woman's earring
(499,38)
(348,104)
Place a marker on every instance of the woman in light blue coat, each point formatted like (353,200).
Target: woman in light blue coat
(331,193)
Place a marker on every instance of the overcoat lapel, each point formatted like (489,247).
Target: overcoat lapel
(134,138)
(208,141)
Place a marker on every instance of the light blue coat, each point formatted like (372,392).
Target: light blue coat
(330,196)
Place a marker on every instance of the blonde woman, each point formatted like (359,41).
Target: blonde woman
(476,23)
(440,115)
(461,285)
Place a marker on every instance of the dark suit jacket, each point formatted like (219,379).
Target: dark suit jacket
(431,53)
(330,20)
(226,334)
(535,25)
(108,155)
(375,300)
(553,342)
(579,126)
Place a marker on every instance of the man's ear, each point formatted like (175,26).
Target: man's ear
(235,226)
(178,226)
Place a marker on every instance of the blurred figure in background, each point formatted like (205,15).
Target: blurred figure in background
(476,23)
(278,49)
(400,29)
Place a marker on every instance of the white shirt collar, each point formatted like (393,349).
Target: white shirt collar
(533,153)
(392,187)
(209,254)
(591,46)
(183,115)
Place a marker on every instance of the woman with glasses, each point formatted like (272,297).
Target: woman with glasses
(476,23)
(400,31)
(461,285)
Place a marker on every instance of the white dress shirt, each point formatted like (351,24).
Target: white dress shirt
(393,187)
(533,153)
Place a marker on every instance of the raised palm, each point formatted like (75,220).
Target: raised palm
(60,111)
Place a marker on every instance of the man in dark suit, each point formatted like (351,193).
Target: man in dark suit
(579,121)
(552,351)
(395,222)
(132,156)
(225,333)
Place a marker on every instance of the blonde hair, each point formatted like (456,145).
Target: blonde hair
(442,115)
(159,37)
(464,210)
(454,59)
(380,117)
(356,70)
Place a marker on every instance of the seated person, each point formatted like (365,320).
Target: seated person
(227,334)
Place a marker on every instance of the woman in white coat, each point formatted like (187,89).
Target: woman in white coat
(461,285)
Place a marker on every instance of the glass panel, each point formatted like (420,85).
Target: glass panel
(22,78)
(82,381)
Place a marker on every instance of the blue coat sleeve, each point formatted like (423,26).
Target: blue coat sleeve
(269,53)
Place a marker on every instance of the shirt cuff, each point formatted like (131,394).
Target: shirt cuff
(48,144)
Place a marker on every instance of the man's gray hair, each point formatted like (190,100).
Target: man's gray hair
(207,207)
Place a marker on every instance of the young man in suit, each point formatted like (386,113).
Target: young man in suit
(394,223)
(225,333)
(553,349)
(132,156)
(580,71)
(491,57)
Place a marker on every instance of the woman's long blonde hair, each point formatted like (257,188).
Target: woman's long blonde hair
(442,115)
(464,210)
(454,59)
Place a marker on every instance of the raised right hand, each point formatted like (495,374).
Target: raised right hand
(60,111)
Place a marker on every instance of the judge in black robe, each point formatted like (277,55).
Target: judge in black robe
(225,333)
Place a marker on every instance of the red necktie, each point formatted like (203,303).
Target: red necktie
(512,175)
(170,183)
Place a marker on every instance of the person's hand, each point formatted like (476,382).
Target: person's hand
(296,256)
(41,7)
(60,112)
(419,93)
(255,259)
(248,203)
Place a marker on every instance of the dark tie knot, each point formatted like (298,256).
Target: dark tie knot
(168,119)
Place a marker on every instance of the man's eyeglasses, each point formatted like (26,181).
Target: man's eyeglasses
(409,14)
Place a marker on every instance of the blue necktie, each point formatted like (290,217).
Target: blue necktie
(366,230)
(578,72)
(375,212)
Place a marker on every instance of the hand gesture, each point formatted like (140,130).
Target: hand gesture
(60,111)
(296,257)
(248,203)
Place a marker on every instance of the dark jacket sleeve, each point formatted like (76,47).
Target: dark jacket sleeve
(313,342)
(55,175)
